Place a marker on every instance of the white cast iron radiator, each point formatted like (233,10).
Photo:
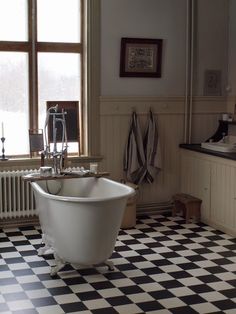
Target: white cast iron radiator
(16,195)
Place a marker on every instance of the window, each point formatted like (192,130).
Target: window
(40,61)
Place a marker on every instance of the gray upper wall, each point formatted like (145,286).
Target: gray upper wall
(232,47)
(211,42)
(165,19)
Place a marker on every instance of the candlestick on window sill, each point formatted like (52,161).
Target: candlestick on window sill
(2,129)
(3,157)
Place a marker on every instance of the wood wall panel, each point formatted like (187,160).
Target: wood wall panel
(115,115)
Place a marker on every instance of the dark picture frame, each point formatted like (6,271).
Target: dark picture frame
(212,83)
(140,57)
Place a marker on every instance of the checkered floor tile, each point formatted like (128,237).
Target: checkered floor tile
(161,266)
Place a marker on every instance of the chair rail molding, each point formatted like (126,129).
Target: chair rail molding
(124,105)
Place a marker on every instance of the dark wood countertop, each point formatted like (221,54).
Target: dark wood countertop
(199,149)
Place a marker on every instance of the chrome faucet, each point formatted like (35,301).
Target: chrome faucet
(57,155)
(223,137)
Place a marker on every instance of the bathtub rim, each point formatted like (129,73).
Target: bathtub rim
(129,193)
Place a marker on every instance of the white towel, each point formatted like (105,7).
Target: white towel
(152,150)
(134,158)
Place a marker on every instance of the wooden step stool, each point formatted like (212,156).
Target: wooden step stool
(188,204)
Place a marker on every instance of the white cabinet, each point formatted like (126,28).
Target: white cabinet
(195,180)
(212,179)
(223,206)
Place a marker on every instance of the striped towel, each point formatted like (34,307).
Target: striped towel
(151,150)
(134,157)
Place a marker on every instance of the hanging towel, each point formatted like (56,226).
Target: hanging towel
(134,158)
(152,149)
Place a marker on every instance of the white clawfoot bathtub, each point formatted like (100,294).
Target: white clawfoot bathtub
(80,218)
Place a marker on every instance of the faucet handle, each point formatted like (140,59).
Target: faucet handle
(223,137)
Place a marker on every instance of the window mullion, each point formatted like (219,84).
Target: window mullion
(59,47)
(14,46)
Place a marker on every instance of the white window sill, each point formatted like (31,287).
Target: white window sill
(35,163)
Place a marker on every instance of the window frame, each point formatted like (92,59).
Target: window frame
(33,47)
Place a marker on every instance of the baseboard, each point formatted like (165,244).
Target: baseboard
(19,222)
(220,227)
(154,208)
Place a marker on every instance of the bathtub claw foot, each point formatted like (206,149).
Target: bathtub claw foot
(110,265)
(55,270)
(44,240)
(41,250)
(60,263)
(45,250)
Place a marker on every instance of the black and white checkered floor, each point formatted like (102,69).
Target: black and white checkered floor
(161,266)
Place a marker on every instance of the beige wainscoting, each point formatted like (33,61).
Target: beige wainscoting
(231,102)
(115,114)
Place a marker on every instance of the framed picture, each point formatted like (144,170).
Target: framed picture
(212,83)
(140,57)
